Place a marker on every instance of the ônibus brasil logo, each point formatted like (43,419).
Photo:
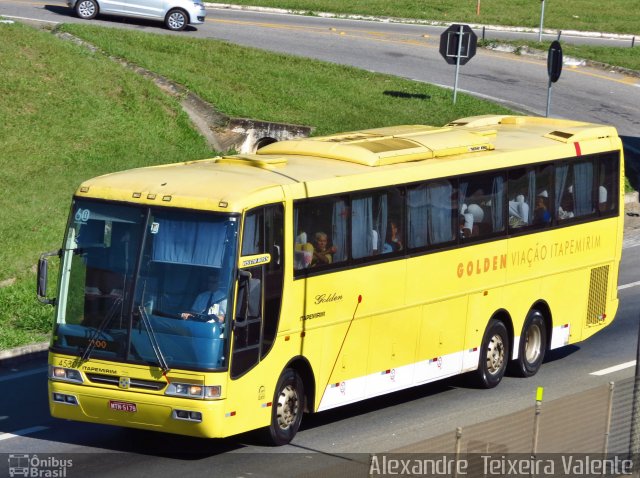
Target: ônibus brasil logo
(34,466)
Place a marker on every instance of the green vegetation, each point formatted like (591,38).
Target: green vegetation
(68,114)
(621,57)
(621,16)
(250,83)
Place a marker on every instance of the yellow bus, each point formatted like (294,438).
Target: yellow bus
(218,296)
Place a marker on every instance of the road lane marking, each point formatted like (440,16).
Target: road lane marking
(628,286)
(26,373)
(615,368)
(30,19)
(21,433)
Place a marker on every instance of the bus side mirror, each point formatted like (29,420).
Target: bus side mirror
(43,267)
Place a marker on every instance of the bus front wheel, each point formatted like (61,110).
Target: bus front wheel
(287,408)
(533,344)
(494,355)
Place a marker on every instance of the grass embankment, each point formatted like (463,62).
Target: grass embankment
(68,114)
(250,83)
(621,16)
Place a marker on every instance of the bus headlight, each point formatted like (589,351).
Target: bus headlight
(187,390)
(65,374)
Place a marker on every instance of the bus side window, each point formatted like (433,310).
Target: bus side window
(321,232)
(575,185)
(607,184)
(483,196)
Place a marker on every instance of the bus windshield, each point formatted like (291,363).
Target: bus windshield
(146,285)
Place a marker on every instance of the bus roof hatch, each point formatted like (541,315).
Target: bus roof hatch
(384,146)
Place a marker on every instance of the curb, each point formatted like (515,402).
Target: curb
(23,354)
(372,18)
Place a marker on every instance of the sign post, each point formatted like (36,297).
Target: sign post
(457,47)
(541,22)
(554,68)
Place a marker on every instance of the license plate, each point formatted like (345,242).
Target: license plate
(123,406)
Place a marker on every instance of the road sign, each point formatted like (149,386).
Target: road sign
(458,42)
(554,61)
(458,46)
(554,68)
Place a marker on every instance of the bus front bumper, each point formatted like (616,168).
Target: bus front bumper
(198,418)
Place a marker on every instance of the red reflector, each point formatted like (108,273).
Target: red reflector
(578,151)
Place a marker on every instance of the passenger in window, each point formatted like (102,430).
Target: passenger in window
(565,210)
(602,199)
(322,254)
(518,212)
(393,242)
(541,214)
(210,305)
(472,215)
(303,254)
(465,222)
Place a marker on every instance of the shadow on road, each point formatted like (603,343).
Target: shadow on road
(106,20)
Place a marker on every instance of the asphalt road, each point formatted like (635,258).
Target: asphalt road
(409,51)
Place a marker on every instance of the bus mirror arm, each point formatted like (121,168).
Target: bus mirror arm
(43,267)
(243,295)
(276,253)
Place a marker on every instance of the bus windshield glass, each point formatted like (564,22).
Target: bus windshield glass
(146,286)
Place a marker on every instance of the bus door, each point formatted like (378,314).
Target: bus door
(260,286)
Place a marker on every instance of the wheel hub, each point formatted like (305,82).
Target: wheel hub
(495,354)
(288,404)
(533,343)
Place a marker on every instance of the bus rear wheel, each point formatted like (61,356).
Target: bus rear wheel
(533,344)
(287,409)
(494,355)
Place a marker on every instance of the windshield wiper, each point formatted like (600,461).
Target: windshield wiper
(154,340)
(103,325)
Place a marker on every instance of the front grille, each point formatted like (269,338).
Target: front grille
(597,295)
(134,383)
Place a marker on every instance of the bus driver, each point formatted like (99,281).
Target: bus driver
(210,304)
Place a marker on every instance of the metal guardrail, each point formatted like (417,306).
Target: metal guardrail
(596,421)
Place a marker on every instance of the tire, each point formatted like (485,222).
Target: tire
(176,20)
(494,355)
(532,347)
(87,9)
(287,409)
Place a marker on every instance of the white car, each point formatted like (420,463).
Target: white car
(176,14)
